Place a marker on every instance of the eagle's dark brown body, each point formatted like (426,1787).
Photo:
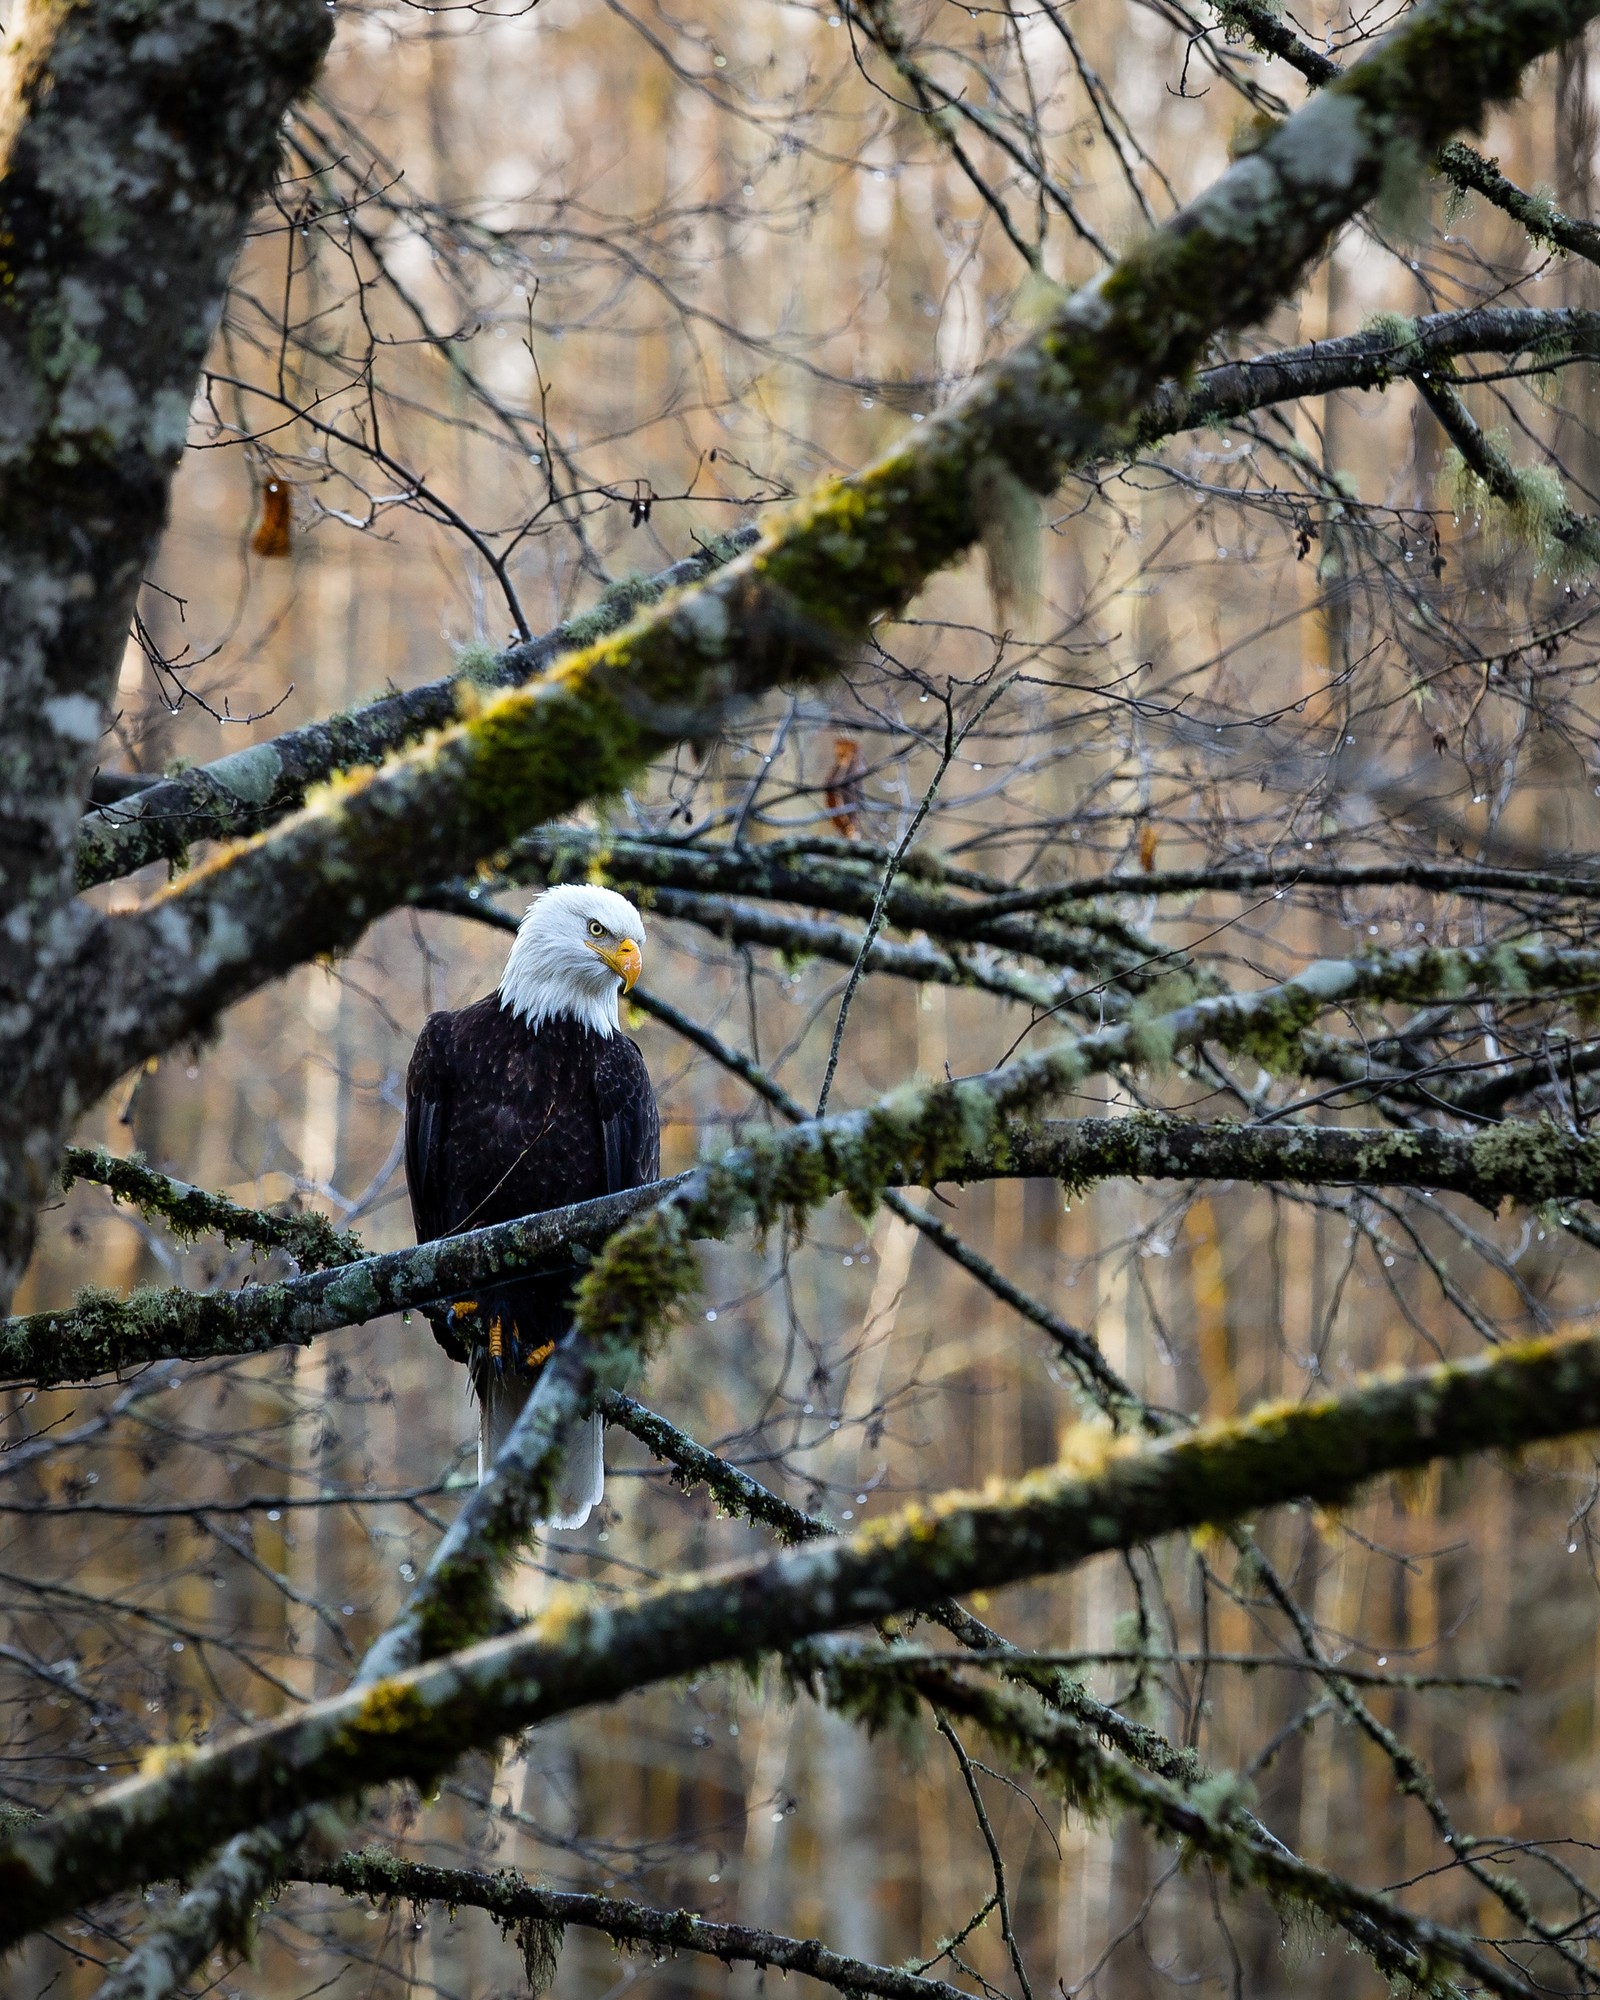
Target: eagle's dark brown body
(503,1120)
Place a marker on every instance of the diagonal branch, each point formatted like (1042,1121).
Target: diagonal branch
(256,787)
(1534,500)
(1393,1947)
(190,1211)
(1460,163)
(416,1723)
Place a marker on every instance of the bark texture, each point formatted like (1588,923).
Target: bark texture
(135,140)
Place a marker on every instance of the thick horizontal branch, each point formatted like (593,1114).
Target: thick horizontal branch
(983,1127)
(785,612)
(102,1335)
(1514,1161)
(1387,352)
(513,1901)
(190,1212)
(580,1652)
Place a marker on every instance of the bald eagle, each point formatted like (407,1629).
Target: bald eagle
(530,1099)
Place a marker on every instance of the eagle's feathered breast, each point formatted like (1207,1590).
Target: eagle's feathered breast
(503,1120)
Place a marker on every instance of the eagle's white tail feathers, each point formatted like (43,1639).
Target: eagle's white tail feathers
(583,1476)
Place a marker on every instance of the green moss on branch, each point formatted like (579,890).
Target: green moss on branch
(1114,1495)
(191,1212)
(255,788)
(513,1902)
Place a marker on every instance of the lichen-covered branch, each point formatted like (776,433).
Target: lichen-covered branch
(943,1132)
(1460,163)
(1445,878)
(1372,359)
(256,787)
(220,1903)
(514,1902)
(922,1134)
(1538,214)
(311,1240)
(1210,1821)
(454,1603)
(851,551)
(1142,1746)
(1518,1160)
(1113,1494)
(696,1466)
(139,820)
(102,1334)
(1532,498)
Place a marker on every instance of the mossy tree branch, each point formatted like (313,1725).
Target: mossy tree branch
(1458,162)
(578,1653)
(143,819)
(1392,1948)
(1209,1820)
(1533,501)
(1371,359)
(190,1212)
(921,1135)
(105,1335)
(515,1902)
(980,1128)
(257,787)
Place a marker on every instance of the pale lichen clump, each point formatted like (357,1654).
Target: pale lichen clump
(1403,349)
(1526,506)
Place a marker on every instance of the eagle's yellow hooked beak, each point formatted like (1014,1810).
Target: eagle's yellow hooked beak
(625,962)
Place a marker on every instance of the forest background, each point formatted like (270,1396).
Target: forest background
(626,279)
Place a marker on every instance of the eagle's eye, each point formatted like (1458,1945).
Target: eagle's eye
(596,928)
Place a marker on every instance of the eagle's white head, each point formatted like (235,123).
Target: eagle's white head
(577,948)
